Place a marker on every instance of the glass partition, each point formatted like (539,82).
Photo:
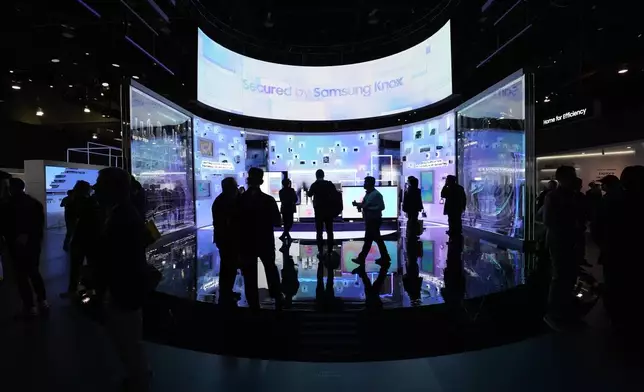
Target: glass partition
(161,159)
(491,162)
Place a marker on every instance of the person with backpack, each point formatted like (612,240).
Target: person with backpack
(326,206)
(372,206)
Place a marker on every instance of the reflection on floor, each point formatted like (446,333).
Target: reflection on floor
(417,274)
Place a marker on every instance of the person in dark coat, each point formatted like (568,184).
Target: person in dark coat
(259,216)
(412,201)
(455,203)
(321,191)
(225,221)
(24,235)
(67,203)
(288,198)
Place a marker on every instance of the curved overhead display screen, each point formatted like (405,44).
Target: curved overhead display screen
(416,77)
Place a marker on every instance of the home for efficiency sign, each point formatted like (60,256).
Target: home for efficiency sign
(565,116)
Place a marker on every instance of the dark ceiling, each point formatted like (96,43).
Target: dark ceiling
(574,47)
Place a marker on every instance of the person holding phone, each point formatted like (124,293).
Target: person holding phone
(371,207)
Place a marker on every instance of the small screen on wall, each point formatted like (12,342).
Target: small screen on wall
(427,186)
(206,147)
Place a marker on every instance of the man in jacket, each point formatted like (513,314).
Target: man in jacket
(322,193)
(455,203)
(372,206)
(225,219)
(288,198)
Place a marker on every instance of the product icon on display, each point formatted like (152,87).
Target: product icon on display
(325,159)
(356,149)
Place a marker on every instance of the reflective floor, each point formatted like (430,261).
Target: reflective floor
(418,274)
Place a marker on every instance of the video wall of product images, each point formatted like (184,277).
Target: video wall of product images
(428,151)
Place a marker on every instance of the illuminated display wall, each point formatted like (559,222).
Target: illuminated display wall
(428,151)
(345,157)
(161,159)
(413,78)
(219,152)
(492,159)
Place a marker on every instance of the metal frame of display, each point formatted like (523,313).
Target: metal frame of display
(529,196)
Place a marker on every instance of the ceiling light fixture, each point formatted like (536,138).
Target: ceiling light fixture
(86,53)
(39,112)
(70,86)
(15,87)
(55,60)
(105,84)
(115,65)
(622,71)
(10,71)
(86,110)
(135,77)
(50,86)
(94,136)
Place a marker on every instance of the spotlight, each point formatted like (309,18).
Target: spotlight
(50,86)
(135,77)
(94,136)
(55,60)
(622,71)
(115,65)
(86,110)
(105,84)
(70,86)
(39,112)
(86,53)
(10,71)
(15,87)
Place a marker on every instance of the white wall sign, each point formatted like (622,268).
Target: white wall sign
(565,116)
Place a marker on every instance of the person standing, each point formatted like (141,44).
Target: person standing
(4,217)
(561,217)
(259,216)
(67,203)
(372,206)
(412,202)
(122,273)
(541,199)
(455,203)
(288,198)
(225,220)
(322,193)
(25,230)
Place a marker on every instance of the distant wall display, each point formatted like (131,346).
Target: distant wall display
(413,78)
(161,149)
(59,180)
(220,152)
(345,157)
(428,152)
(491,166)
(357,193)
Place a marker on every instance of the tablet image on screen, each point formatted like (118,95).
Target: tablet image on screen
(427,186)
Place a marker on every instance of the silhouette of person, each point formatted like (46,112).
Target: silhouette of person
(541,199)
(372,290)
(325,293)
(24,235)
(321,191)
(70,220)
(79,249)
(561,217)
(288,197)
(372,206)
(412,201)
(290,282)
(225,220)
(412,281)
(584,213)
(593,198)
(122,272)
(455,203)
(258,217)
(139,198)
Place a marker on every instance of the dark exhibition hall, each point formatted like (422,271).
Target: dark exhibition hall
(207,195)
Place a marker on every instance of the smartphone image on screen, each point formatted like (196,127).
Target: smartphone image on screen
(301,144)
(314,163)
(356,149)
(302,162)
(427,186)
(325,159)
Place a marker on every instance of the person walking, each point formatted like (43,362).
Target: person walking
(455,203)
(225,220)
(372,206)
(259,216)
(323,193)
(288,198)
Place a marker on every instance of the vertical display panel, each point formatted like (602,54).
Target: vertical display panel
(492,160)
(161,160)
(220,152)
(428,151)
